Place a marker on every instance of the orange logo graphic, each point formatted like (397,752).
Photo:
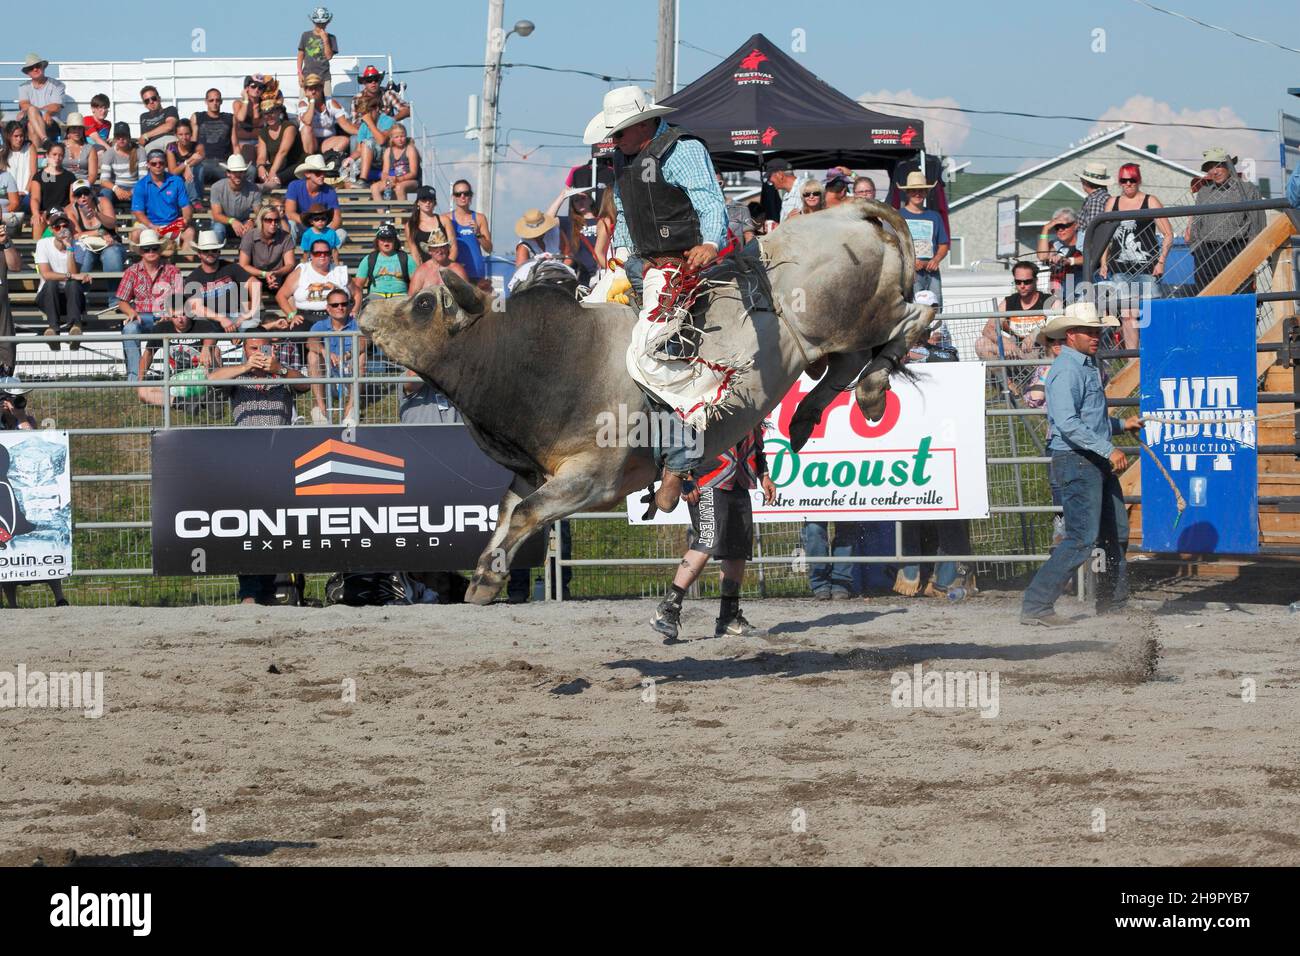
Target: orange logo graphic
(340,468)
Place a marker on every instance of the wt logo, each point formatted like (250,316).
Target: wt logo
(1200,415)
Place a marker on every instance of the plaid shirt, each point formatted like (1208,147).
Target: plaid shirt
(1093,207)
(689,167)
(159,295)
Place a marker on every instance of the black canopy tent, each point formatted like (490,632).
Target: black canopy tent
(760,103)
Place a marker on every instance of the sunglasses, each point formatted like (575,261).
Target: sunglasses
(1024,281)
(148,249)
(462,195)
(318,255)
(156,162)
(338,305)
(1128,182)
(371,79)
(812,195)
(271,219)
(151,99)
(1065,225)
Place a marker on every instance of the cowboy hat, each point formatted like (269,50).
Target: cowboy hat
(534,223)
(75,120)
(312,79)
(235,164)
(916,180)
(207,241)
(12,385)
(148,237)
(315,163)
(1096,173)
(623,107)
(1215,156)
(1078,315)
(34,60)
(437,238)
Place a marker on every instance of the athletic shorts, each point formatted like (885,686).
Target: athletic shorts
(722,524)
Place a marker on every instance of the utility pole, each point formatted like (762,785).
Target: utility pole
(487,137)
(667,49)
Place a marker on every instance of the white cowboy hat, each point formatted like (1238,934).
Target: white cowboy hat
(207,241)
(148,237)
(534,223)
(1078,315)
(916,180)
(622,107)
(314,163)
(74,120)
(235,164)
(34,59)
(1096,173)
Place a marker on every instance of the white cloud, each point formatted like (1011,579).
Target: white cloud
(944,133)
(1185,145)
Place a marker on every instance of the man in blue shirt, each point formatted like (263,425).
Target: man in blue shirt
(1085,464)
(159,202)
(929,235)
(672,215)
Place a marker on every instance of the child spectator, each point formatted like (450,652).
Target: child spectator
(318,227)
(385,272)
(401,168)
(316,47)
(98,128)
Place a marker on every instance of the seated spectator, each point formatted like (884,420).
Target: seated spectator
(302,295)
(400,175)
(386,271)
(234,200)
(12,260)
(422,404)
(248,117)
(185,159)
(1058,247)
(318,219)
(214,130)
(864,188)
(217,286)
(1014,337)
(308,190)
(372,131)
(18,158)
(150,290)
(95,241)
(40,101)
(198,351)
(51,189)
(323,123)
(119,168)
(390,98)
(62,292)
(259,406)
(11,204)
(79,158)
(99,131)
(539,234)
(160,202)
(266,254)
(437,252)
(332,356)
(423,221)
(157,123)
(279,150)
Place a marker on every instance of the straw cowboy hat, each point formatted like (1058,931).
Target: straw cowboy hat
(1096,173)
(437,238)
(314,163)
(207,241)
(916,180)
(534,223)
(1079,315)
(148,237)
(235,164)
(622,107)
(34,60)
(75,120)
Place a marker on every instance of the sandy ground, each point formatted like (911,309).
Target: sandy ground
(533,718)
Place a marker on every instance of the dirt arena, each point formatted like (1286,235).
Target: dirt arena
(520,735)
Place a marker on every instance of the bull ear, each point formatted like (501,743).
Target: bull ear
(467,296)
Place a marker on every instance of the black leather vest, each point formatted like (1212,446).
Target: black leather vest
(660,217)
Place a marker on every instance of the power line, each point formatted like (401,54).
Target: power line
(701,49)
(1211,26)
(603,77)
(1065,116)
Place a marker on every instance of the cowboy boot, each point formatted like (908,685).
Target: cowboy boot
(669,491)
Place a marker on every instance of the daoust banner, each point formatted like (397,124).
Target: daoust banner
(925,458)
(35,506)
(271,500)
(1199,406)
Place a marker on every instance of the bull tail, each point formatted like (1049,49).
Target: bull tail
(902,239)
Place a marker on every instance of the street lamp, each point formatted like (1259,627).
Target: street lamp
(491,88)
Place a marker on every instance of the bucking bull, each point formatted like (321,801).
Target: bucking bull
(533,380)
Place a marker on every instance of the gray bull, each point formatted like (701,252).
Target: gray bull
(535,381)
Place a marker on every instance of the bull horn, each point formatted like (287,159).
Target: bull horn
(467,296)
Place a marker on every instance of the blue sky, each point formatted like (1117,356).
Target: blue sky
(1034,58)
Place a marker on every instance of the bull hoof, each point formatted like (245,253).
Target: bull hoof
(800,432)
(483,589)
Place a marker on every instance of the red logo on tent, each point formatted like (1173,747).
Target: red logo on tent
(752,60)
(769,134)
(909,134)
(748,72)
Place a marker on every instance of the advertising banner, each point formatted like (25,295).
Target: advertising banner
(35,506)
(1199,404)
(272,500)
(924,459)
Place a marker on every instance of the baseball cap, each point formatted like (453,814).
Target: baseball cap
(1214,156)
(82,186)
(777,165)
(56,216)
(427,192)
(386,231)
(121,129)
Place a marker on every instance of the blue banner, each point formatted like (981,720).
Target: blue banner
(1199,405)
